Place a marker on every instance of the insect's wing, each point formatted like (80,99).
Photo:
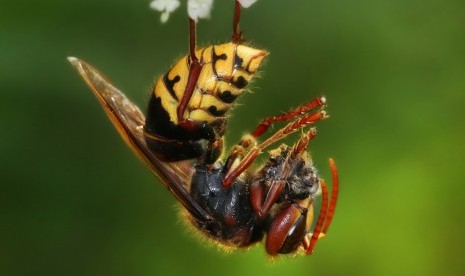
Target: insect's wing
(129,121)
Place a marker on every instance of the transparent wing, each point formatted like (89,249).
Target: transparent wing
(129,121)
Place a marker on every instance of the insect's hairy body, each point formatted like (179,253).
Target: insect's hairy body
(235,220)
(276,200)
(227,199)
(226,71)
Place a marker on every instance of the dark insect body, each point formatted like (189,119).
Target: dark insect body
(228,201)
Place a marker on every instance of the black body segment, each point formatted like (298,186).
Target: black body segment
(235,222)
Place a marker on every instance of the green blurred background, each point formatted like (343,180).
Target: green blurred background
(74,200)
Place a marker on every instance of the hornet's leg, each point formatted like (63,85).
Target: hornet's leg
(309,241)
(238,152)
(301,110)
(278,135)
(237,35)
(194,73)
(261,203)
(326,212)
(249,141)
(203,130)
(288,228)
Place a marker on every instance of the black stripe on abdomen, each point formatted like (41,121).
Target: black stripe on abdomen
(169,84)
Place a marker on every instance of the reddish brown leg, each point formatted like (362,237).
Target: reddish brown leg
(302,144)
(199,129)
(237,35)
(213,151)
(320,221)
(194,73)
(326,212)
(291,114)
(261,204)
(334,195)
(280,134)
(238,151)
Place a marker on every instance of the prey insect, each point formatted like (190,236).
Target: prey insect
(181,140)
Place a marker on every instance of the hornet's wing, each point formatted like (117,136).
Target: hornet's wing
(129,121)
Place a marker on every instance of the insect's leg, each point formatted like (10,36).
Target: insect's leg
(238,152)
(303,142)
(291,114)
(334,195)
(262,204)
(326,212)
(213,151)
(278,135)
(194,72)
(263,194)
(193,39)
(237,35)
(203,130)
(309,241)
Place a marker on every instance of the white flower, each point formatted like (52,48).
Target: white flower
(199,9)
(165,7)
(247,3)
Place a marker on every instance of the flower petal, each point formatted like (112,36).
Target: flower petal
(247,3)
(158,5)
(164,17)
(199,8)
(165,7)
(172,5)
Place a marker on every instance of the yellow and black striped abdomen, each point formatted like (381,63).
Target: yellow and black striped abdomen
(226,71)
